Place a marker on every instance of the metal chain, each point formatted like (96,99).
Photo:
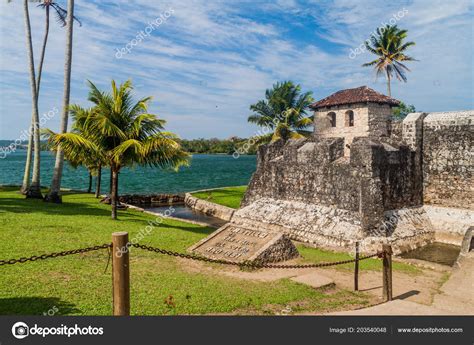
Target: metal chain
(247,263)
(186,256)
(54,255)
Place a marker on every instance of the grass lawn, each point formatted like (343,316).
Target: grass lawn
(228,196)
(78,284)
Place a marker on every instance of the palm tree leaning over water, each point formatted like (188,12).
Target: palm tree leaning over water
(123,133)
(390,48)
(53,194)
(61,18)
(282,113)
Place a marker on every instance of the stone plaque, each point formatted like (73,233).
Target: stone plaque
(235,243)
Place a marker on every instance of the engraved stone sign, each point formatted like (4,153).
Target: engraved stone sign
(238,244)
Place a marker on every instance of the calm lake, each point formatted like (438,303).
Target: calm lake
(205,171)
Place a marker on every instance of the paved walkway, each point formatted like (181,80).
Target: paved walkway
(456,297)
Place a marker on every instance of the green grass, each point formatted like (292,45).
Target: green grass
(79,285)
(315,255)
(228,196)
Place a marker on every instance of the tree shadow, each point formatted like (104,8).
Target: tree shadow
(67,208)
(48,306)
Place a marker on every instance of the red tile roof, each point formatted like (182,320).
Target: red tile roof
(361,94)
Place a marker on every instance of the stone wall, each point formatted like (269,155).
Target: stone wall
(377,176)
(150,199)
(209,208)
(448,159)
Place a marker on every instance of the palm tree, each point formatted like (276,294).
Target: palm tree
(34,190)
(79,157)
(61,18)
(390,48)
(123,133)
(53,194)
(282,113)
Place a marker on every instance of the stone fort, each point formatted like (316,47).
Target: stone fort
(365,177)
(361,176)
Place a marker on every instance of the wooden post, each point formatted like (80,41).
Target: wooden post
(120,274)
(387,272)
(356,268)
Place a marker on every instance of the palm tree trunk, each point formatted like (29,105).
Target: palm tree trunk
(89,189)
(110,182)
(388,85)
(113,194)
(34,190)
(53,194)
(98,180)
(26,175)
(29,154)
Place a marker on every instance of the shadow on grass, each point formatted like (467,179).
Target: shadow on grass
(191,228)
(36,306)
(67,208)
(16,205)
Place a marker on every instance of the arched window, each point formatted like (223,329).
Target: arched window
(332,118)
(349,118)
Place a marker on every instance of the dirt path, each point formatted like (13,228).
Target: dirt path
(418,288)
(454,297)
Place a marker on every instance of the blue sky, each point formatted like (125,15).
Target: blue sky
(209,60)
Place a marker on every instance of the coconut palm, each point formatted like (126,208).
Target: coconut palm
(283,113)
(53,194)
(123,133)
(61,18)
(388,44)
(92,161)
(33,190)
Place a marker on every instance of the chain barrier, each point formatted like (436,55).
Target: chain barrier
(247,263)
(186,256)
(54,255)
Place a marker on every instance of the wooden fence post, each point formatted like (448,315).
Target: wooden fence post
(356,268)
(387,272)
(120,274)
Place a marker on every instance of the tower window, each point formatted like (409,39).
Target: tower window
(349,119)
(332,118)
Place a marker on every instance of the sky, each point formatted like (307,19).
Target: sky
(205,62)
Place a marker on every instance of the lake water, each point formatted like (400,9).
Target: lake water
(205,171)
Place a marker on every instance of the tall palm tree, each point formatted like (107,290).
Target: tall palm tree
(123,133)
(34,190)
(282,113)
(61,18)
(53,194)
(388,44)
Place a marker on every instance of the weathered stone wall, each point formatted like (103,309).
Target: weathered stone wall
(375,178)
(312,171)
(448,159)
(209,208)
(150,199)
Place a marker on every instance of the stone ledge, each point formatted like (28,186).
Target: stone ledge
(209,208)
